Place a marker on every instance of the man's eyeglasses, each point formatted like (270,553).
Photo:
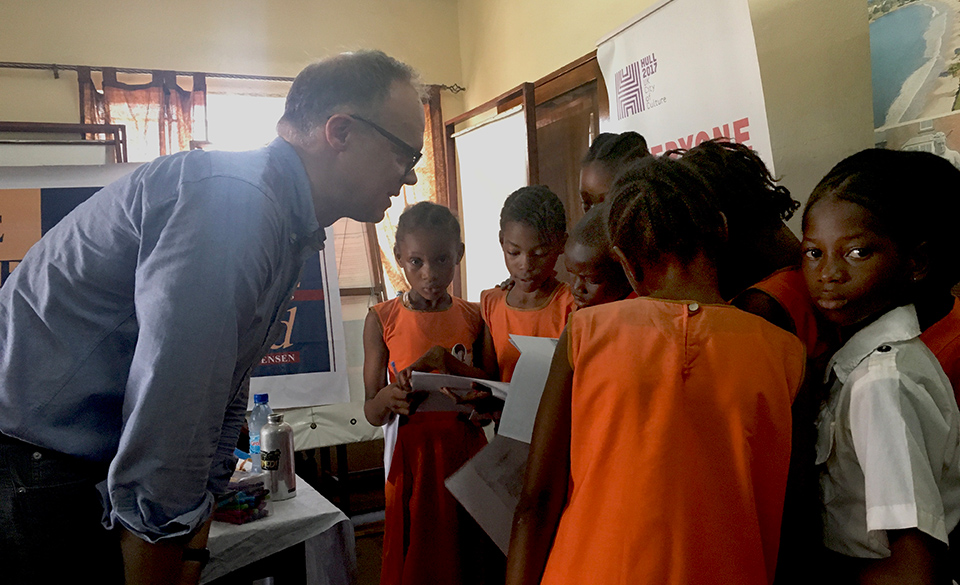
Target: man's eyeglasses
(409,151)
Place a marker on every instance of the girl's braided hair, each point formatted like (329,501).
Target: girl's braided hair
(660,206)
(538,207)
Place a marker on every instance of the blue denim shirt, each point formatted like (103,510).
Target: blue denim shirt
(128,331)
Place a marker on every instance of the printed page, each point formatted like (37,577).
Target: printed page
(526,386)
(433,400)
(489,486)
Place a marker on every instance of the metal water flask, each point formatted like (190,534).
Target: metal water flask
(276,457)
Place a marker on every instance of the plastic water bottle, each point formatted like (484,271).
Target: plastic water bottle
(258,418)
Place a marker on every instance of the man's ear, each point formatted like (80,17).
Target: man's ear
(337,130)
(396,252)
(460,249)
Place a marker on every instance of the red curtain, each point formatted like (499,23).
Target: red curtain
(160,117)
(430,186)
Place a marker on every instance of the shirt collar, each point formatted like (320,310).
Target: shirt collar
(307,229)
(899,324)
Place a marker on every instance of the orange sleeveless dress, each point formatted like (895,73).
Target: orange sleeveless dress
(504,320)
(943,339)
(679,446)
(789,288)
(428,537)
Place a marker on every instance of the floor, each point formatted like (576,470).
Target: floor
(369,549)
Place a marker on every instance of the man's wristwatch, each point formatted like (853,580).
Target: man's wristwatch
(197,555)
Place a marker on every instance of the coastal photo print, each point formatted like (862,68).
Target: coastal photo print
(915,61)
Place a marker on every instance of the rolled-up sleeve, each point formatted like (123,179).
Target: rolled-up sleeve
(891,420)
(206,258)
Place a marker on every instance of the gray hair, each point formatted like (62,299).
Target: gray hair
(360,79)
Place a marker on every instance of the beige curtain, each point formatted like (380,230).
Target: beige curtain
(430,186)
(160,117)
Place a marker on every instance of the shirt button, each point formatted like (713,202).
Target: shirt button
(37,455)
(694,307)
(884,348)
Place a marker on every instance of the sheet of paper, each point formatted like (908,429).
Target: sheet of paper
(526,386)
(435,400)
(389,443)
(489,486)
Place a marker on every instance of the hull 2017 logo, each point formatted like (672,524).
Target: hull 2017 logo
(635,88)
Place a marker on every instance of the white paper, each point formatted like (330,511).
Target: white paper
(438,401)
(389,442)
(526,386)
(489,486)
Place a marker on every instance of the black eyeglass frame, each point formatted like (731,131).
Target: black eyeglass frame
(414,154)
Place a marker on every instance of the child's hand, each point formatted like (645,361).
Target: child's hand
(507,284)
(395,399)
(486,407)
(433,360)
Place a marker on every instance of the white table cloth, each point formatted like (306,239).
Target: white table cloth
(309,518)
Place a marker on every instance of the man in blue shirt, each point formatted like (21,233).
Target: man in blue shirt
(128,332)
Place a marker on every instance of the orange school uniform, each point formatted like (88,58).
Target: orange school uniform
(943,339)
(789,288)
(548,320)
(428,537)
(679,446)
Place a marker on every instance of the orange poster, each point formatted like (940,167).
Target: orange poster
(19,224)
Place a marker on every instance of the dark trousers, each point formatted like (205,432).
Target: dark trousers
(50,512)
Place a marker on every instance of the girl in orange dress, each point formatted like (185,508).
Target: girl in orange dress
(428,536)
(662,442)
(533,229)
(608,154)
(761,246)
(597,276)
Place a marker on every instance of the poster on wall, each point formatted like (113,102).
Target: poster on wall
(686,71)
(305,367)
(915,66)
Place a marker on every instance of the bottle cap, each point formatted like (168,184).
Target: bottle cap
(275,418)
(260,398)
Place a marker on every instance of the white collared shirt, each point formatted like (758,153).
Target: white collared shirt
(888,440)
